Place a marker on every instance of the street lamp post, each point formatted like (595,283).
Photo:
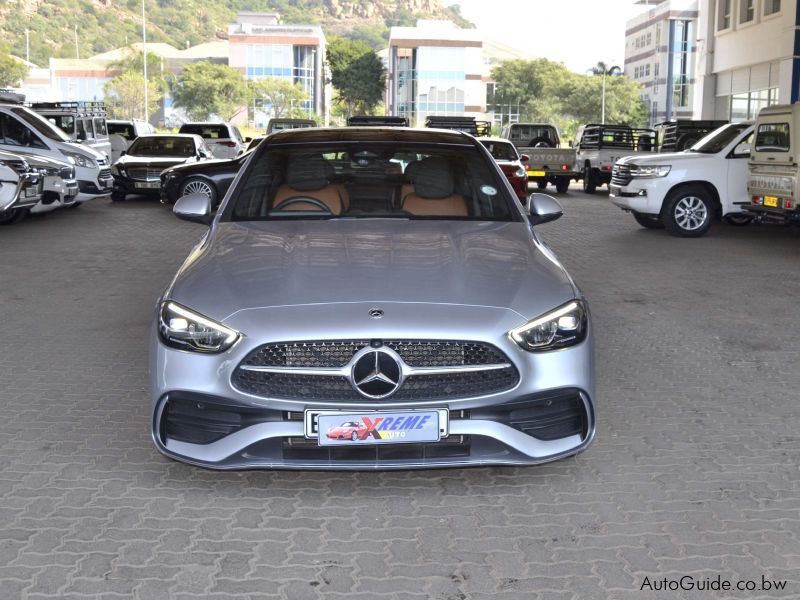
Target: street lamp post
(144,56)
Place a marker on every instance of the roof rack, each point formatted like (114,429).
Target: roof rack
(81,107)
(11,97)
(465,124)
(377,121)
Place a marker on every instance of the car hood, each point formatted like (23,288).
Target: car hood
(668,158)
(152,161)
(262,264)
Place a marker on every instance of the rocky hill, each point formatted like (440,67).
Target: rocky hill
(106,24)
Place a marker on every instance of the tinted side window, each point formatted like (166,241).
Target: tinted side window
(773,137)
(16,134)
(100,126)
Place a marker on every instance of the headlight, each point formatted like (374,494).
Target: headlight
(182,328)
(115,170)
(560,328)
(650,171)
(80,160)
(521,172)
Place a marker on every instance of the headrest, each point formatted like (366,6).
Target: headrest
(308,173)
(432,178)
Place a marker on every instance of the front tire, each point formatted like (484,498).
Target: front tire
(589,181)
(648,221)
(562,185)
(15,215)
(542,185)
(117,197)
(688,212)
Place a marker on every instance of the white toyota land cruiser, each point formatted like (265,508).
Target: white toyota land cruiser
(686,191)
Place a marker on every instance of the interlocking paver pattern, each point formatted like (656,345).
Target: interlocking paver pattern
(694,470)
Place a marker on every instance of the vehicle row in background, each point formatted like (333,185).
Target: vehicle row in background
(223,139)
(598,147)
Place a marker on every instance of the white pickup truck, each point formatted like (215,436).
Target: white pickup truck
(599,147)
(685,191)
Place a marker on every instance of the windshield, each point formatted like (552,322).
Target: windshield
(529,133)
(40,124)
(371,180)
(209,132)
(718,140)
(501,150)
(162,146)
(63,122)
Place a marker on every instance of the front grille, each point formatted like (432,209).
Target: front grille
(145,173)
(336,387)
(415,353)
(104,173)
(621,175)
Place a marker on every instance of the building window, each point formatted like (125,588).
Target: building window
(747,11)
(681,64)
(772,6)
(747,105)
(649,38)
(724,14)
(647,70)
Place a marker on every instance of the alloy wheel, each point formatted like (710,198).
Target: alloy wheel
(197,187)
(691,213)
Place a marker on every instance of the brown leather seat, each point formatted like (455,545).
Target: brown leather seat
(433,190)
(309,177)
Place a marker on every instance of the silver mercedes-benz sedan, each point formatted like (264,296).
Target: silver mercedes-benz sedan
(370,298)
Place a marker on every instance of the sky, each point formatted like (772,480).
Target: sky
(578,33)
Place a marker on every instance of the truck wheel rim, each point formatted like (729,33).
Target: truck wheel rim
(690,213)
(197,187)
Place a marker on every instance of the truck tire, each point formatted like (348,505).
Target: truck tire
(648,221)
(540,142)
(562,185)
(117,197)
(541,184)
(686,141)
(688,211)
(589,181)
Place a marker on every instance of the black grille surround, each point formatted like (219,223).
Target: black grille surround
(493,372)
(621,175)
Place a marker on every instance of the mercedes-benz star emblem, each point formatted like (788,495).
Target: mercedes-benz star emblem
(376,373)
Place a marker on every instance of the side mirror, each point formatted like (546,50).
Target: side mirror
(543,209)
(194,207)
(524,158)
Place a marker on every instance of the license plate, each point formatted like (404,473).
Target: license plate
(771,201)
(537,173)
(352,428)
(148,185)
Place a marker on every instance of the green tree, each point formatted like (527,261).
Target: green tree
(546,91)
(283,96)
(205,89)
(12,71)
(124,96)
(358,75)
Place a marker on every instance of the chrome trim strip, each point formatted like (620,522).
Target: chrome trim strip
(345,371)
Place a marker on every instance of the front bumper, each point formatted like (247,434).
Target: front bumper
(193,394)
(27,193)
(644,196)
(125,185)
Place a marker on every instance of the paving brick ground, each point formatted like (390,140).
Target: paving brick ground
(694,470)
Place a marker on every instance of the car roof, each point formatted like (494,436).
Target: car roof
(495,140)
(370,134)
(192,136)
